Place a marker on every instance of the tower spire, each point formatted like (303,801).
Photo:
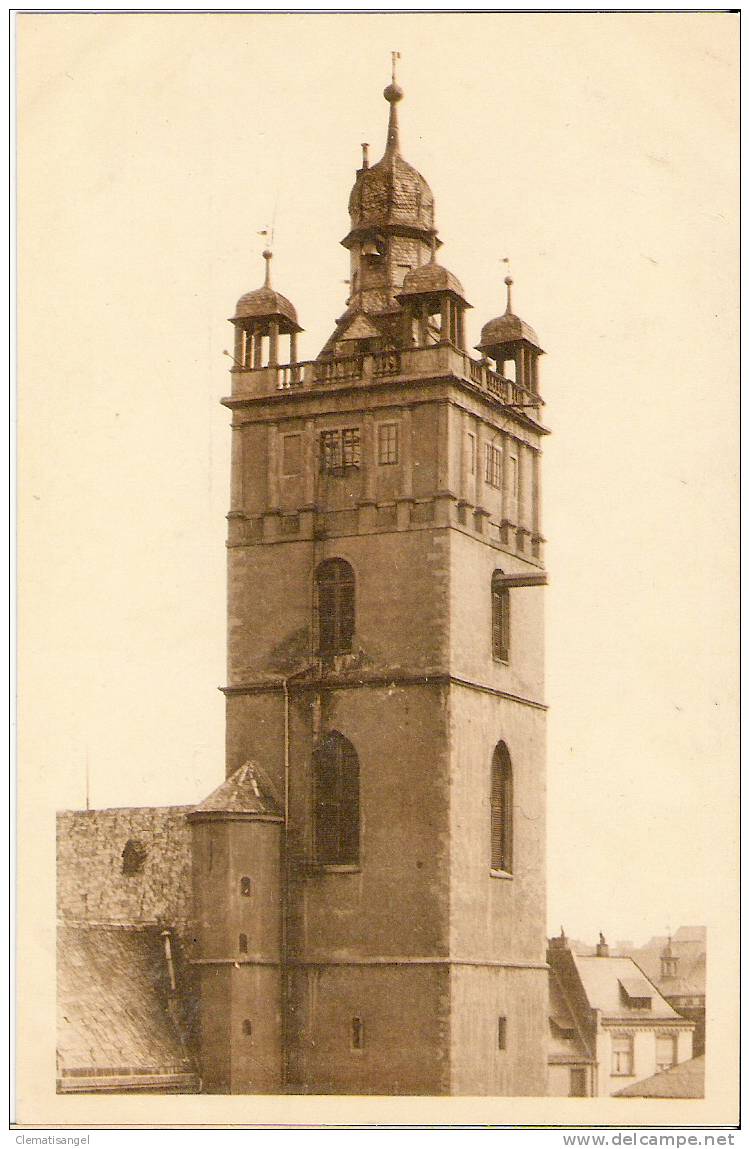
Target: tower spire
(508,283)
(393,94)
(268,256)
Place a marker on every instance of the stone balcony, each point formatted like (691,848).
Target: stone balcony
(438,361)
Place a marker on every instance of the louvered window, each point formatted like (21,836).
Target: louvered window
(335,607)
(500,618)
(501,811)
(336,771)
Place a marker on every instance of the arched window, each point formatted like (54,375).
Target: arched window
(334,585)
(501,811)
(336,774)
(500,617)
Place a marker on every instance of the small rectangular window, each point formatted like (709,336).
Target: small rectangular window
(666,1054)
(513,475)
(472,453)
(242,943)
(387,444)
(246,887)
(291,461)
(502,1032)
(622,1055)
(339,450)
(493,466)
(247,1027)
(358,1033)
(577,1082)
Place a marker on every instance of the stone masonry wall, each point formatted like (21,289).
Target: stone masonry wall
(93,879)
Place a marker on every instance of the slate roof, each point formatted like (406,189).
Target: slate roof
(265,303)
(506,329)
(247,791)
(684,1080)
(428,279)
(114,1028)
(602,978)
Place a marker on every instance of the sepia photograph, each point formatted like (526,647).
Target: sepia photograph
(378,589)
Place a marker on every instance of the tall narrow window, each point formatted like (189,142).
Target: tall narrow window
(501,811)
(493,466)
(387,444)
(246,887)
(472,453)
(502,1033)
(336,773)
(500,618)
(242,945)
(334,582)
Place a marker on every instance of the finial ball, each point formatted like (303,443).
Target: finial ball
(268,254)
(508,281)
(393,93)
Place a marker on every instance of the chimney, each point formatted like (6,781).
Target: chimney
(602,949)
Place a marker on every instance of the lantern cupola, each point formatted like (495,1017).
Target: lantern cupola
(261,317)
(509,339)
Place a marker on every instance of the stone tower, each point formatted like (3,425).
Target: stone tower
(385,672)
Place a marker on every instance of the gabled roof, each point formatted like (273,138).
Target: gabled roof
(684,1080)
(245,792)
(113,1020)
(602,979)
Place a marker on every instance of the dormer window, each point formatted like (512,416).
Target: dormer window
(635,993)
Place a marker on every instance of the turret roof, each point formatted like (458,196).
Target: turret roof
(507,328)
(244,792)
(265,303)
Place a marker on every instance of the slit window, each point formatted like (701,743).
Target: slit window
(501,811)
(500,618)
(358,1033)
(502,1033)
(242,943)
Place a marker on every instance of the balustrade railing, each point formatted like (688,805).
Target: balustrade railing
(413,361)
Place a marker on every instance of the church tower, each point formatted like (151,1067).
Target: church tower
(385,673)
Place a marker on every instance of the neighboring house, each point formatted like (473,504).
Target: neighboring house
(609,1025)
(684,1080)
(676,964)
(126,1006)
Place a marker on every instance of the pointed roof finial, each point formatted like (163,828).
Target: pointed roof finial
(508,283)
(393,94)
(365,155)
(268,256)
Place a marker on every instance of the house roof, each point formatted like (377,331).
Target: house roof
(565,1037)
(247,792)
(113,1021)
(684,1080)
(603,979)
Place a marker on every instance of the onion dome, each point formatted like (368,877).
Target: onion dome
(391,191)
(265,303)
(507,328)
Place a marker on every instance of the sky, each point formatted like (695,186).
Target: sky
(599,153)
